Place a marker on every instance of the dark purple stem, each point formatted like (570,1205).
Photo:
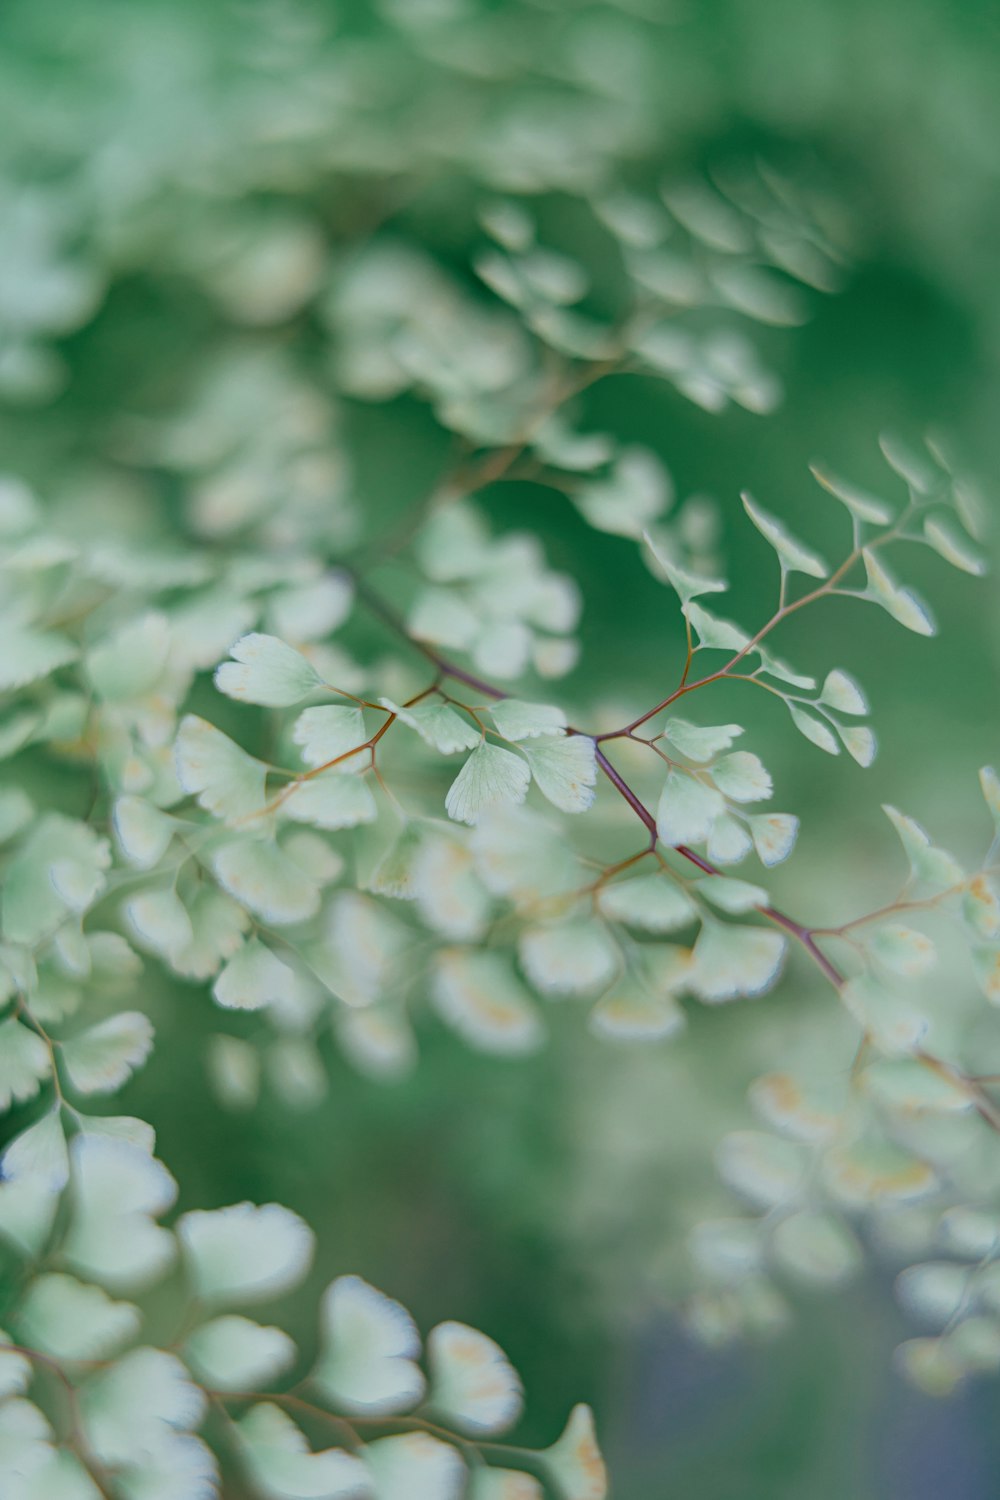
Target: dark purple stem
(395,621)
(447,668)
(620,784)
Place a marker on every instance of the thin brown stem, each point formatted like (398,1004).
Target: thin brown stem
(779,615)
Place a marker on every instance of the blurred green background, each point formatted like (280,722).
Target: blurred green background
(546,1201)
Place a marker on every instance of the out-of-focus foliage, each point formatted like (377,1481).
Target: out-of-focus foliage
(378,386)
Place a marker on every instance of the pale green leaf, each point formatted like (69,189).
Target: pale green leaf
(378,1042)
(415,1466)
(975,1343)
(28,1208)
(795,1111)
(178,1466)
(899,602)
(969,1232)
(759,293)
(520,854)
(816,1248)
(265,670)
(118,1188)
(143,831)
(68,1320)
(504,1484)
(102,1058)
(24,1063)
(443,619)
(859,742)
(707,215)
(687,585)
(282,1467)
(935,866)
(126,1407)
(699,742)
(330,802)
(574,1463)
(263,879)
(564,768)
(554,657)
(714,633)
(232,1353)
(478,995)
(742,778)
(368,1351)
(734,896)
(872,1172)
(793,555)
(652,903)
(30,654)
(990,783)
(934,1291)
(253,978)
(841,692)
(39,1154)
(217,924)
(244,1253)
(569,958)
(895,1026)
(729,842)
(314,856)
(727,1250)
(311,611)
(986,967)
(910,1089)
(395,872)
(931,1365)
(951,544)
(15,1370)
(632,1013)
(687,809)
(863,506)
(129,663)
(330,732)
(730,962)
(902,950)
(636,492)
(450,896)
(128,1128)
(226,781)
(915,468)
(517,720)
(296,1072)
(489,776)
(763,1168)
(502,648)
(159,921)
(234,1070)
(815,729)
(473,1384)
(438,725)
(30,1467)
(454,543)
(981,907)
(509,222)
(365,939)
(775,667)
(60,867)
(636,221)
(16,811)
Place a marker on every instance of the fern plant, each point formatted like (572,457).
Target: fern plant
(318,766)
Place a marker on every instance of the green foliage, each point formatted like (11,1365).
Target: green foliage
(314,762)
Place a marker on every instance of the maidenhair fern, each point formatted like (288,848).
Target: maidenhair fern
(318,767)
